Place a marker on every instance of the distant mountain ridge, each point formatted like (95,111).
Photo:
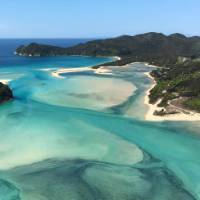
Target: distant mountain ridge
(177,84)
(150,47)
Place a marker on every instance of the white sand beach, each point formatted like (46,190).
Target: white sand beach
(101,70)
(192,116)
(104,70)
(5,81)
(61,71)
(117,57)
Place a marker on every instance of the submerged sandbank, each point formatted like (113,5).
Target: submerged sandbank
(105,70)
(96,93)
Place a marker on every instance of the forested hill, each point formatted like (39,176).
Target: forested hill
(155,48)
(178,83)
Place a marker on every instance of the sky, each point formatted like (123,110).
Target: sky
(96,18)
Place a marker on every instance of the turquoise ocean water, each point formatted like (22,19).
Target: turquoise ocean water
(84,137)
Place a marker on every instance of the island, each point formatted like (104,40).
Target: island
(177,57)
(5,93)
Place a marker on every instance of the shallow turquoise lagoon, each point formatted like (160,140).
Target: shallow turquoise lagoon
(84,137)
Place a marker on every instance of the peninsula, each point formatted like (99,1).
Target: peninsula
(177,79)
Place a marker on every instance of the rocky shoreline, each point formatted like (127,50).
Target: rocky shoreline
(6,93)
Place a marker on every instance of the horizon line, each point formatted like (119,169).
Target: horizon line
(102,37)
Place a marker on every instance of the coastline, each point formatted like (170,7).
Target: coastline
(5,81)
(101,70)
(149,116)
(117,57)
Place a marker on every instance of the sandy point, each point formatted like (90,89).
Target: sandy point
(149,116)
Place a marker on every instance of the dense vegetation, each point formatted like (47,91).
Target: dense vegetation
(182,80)
(155,48)
(176,53)
(5,93)
(35,49)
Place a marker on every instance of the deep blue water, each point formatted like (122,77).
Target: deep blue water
(9,59)
(8,46)
(84,136)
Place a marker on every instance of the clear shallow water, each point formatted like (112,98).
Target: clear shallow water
(83,137)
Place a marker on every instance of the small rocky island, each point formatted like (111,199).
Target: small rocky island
(5,93)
